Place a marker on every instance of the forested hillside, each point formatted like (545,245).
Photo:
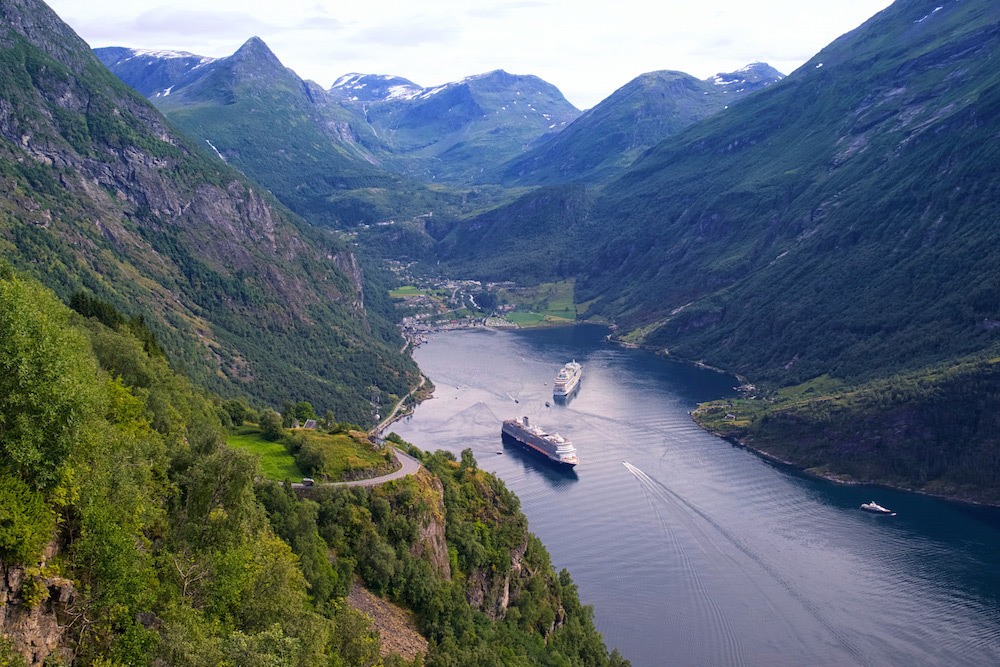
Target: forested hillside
(103,197)
(934,430)
(840,221)
(131,535)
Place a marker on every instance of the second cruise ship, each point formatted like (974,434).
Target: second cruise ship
(568,379)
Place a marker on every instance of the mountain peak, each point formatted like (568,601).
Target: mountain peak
(255,48)
(749,77)
(374,87)
(255,61)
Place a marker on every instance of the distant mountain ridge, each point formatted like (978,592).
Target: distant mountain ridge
(609,137)
(152,73)
(319,157)
(446,132)
(451,131)
(374,87)
(356,154)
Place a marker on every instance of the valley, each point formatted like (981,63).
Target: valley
(217,278)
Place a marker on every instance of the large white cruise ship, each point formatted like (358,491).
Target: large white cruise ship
(567,379)
(550,445)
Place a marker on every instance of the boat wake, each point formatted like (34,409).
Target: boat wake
(705,528)
(479,413)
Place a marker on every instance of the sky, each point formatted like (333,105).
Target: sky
(587,49)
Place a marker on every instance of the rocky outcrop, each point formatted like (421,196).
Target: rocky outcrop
(396,627)
(493,592)
(33,605)
(430,542)
(348,263)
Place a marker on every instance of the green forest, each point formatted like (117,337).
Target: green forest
(934,430)
(124,515)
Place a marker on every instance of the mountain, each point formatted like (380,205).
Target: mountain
(152,73)
(451,132)
(374,88)
(262,118)
(314,150)
(604,140)
(104,197)
(838,222)
(832,239)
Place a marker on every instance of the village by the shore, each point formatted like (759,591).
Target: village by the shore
(434,305)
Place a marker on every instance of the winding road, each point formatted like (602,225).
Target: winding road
(408,466)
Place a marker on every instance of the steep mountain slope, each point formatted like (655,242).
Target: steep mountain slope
(101,195)
(835,230)
(541,236)
(123,508)
(316,152)
(262,118)
(452,131)
(606,139)
(840,221)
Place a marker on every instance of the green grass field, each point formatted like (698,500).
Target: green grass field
(339,456)
(405,290)
(546,304)
(276,462)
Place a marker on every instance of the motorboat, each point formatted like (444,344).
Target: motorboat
(875,508)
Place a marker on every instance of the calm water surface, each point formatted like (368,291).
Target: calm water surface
(697,552)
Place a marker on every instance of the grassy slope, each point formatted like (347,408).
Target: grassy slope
(276,462)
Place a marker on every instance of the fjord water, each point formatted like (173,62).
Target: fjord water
(693,551)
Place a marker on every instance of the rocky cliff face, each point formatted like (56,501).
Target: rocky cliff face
(430,540)
(34,609)
(493,592)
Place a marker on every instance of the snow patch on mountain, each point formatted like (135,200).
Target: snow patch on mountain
(936,10)
(163,54)
(376,84)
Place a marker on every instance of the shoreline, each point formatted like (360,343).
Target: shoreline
(842,479)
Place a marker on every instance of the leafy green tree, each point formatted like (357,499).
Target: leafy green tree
(239,412)
(49,398)
(287,413)
(271,426)
(304,410)
(26,522)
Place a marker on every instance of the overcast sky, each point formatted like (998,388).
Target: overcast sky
(587,49)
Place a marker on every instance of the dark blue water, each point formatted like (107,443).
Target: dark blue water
(697,552)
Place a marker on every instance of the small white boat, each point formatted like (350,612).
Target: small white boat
(875,508)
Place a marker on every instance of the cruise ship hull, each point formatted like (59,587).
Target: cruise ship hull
(562,394)
(567,380)
(515,433)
